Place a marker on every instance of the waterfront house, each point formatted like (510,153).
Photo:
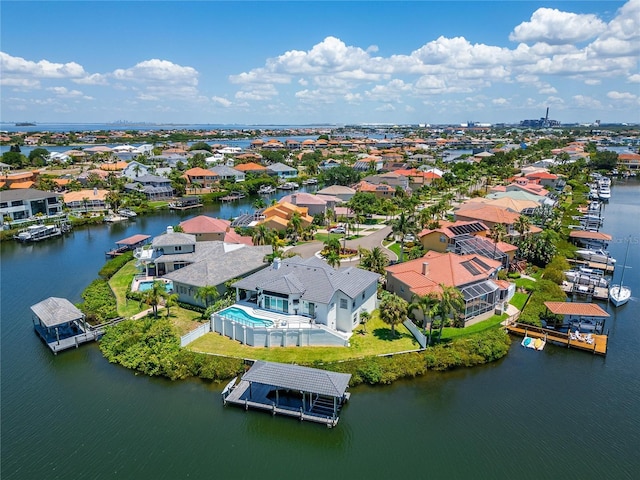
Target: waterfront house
(280,170)
(226,173)
(189,265)
(474,275)
(25,203)
(207,228)
(380,191)
(154,187)
(87,200)
(309,287)
(200,177)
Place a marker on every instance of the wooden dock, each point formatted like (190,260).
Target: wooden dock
(596,266)
(599,345)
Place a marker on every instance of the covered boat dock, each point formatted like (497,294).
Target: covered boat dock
(302,392)
(580,317)
(60,324)
(129,243)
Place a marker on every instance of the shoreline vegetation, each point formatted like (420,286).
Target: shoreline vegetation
(152,345)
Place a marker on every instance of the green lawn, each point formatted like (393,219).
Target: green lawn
(120,283)
(376,341)
(449,333)
(184,320)
(519,300)
(395,248)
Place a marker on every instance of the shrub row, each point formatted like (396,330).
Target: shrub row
(99,302)
(152,346)
(113,265)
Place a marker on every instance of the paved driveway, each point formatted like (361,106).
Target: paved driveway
(368,241)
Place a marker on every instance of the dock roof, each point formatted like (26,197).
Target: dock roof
(576,308)
(133,240)
(55,311)
(590,235)
(295,377)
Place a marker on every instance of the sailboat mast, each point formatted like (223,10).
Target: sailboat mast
(624,265)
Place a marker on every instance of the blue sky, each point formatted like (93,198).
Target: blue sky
(319,62)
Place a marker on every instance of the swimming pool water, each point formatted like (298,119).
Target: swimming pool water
(238,315)
(146,286)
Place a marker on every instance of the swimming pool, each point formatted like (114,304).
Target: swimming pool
(146,285)
(241,316)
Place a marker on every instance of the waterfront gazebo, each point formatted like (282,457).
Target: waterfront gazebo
(56,319)
(578,314)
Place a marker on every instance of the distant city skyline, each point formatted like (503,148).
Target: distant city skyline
(271,62)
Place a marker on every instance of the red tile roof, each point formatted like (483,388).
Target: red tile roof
(205,224)
(575,308)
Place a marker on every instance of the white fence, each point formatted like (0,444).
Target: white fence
(415,331)
(194,334)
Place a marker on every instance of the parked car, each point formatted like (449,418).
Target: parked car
(337,230)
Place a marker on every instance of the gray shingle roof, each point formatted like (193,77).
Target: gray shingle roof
(55,311)
(295,377)
(314,278)
(175,238)
(281,167)
(217,262)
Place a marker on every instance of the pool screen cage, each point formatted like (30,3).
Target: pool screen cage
(469,244)
(479,298)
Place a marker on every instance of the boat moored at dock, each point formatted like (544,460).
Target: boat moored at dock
(36,233)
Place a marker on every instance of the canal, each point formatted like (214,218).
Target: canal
(550,414)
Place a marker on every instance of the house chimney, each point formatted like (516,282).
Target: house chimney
(169,229)
(425,268)
(294,198)
(276,263)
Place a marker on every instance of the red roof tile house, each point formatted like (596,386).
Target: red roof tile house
(200,176)
(474,275)
(207,228)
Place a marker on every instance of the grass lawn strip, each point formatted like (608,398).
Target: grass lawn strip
(376,341)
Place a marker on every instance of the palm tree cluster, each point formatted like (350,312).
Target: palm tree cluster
(439,308)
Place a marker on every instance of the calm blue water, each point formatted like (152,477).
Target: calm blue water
(240,316)
(553,414)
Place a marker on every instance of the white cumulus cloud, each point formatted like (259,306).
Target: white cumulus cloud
(552,26)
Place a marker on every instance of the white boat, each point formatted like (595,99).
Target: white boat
(35,233)
(582,278)
(598,256)
(619,294)
(266,189)
(112,218)
(289,186)
(604,193)
(310,181)
(127,212)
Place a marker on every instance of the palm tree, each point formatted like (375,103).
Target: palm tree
(154,295)
(427,304)
(333,259)
(373,260)
(332,244)
(451,303)
(522,225)
(259,203)
(497,233)
(261,235)
(295,224)
(171,300)
(402,226)
(207,295)
(393,311)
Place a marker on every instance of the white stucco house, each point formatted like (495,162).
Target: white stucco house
(310,288)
